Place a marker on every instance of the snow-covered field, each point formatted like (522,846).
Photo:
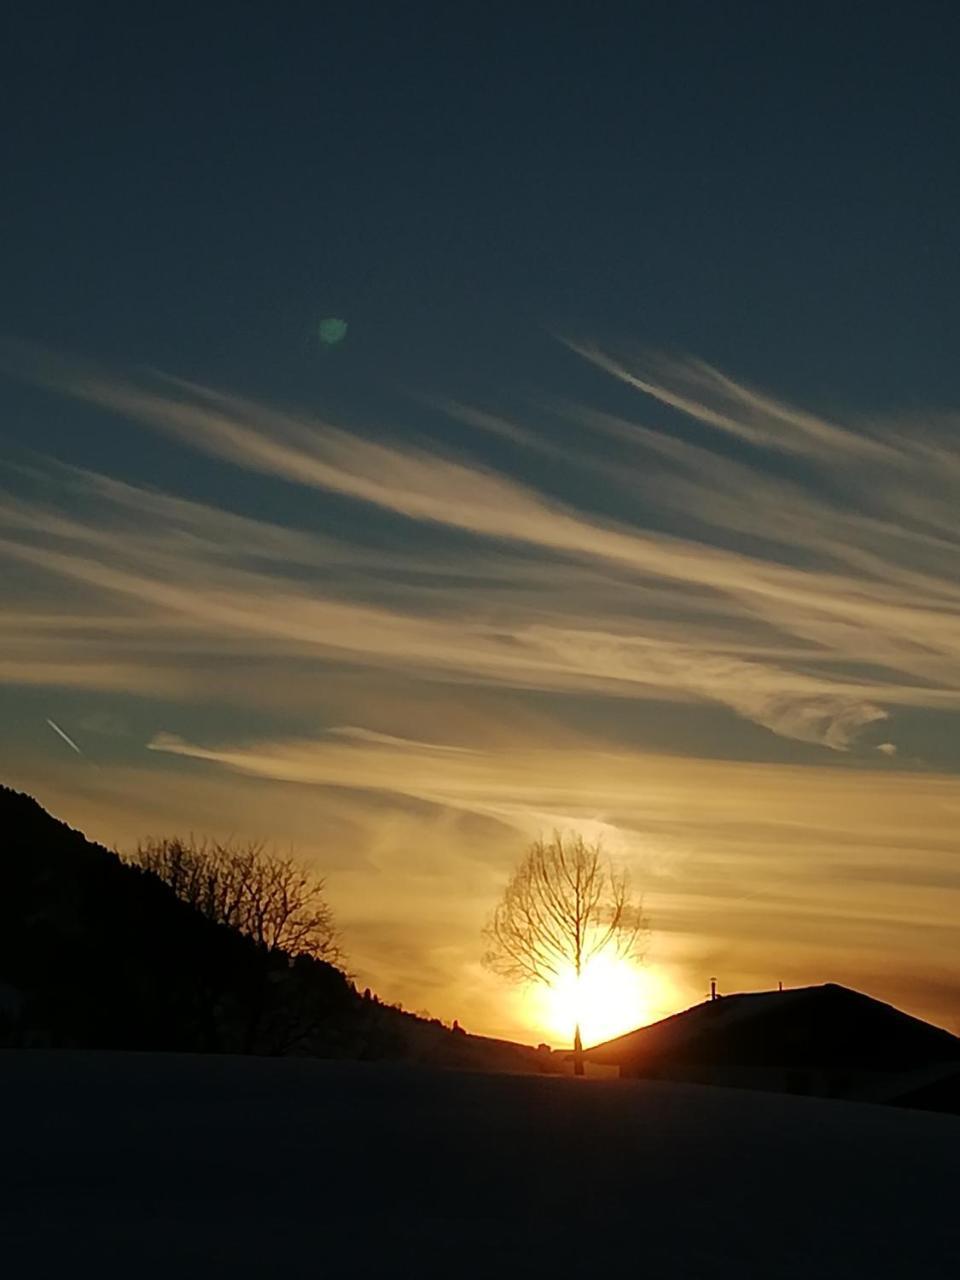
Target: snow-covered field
(141,1166)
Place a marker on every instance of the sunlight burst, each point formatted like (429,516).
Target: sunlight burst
(611,997)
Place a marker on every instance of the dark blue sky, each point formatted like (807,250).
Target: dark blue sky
(771,187)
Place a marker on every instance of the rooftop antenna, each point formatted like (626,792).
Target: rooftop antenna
(713,988)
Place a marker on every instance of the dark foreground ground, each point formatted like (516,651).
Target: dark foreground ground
(143,1166)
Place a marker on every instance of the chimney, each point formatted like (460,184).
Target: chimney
(713,988)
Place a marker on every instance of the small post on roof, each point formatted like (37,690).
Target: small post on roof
(713,988)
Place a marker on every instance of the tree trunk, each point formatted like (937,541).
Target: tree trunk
(577,1052)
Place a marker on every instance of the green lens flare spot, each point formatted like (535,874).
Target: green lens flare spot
(332,330)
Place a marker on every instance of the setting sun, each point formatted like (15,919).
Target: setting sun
(611,996)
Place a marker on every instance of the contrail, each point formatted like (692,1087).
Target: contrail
(65,736)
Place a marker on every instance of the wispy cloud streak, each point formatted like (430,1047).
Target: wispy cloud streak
(812,601)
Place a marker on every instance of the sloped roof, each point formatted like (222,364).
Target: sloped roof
(828,1025)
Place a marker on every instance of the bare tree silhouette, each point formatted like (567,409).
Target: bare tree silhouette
(271,899)
(563,905)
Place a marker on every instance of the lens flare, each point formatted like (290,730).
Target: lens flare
(331,330)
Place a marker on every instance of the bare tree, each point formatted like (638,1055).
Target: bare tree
(563,905)
(271,899)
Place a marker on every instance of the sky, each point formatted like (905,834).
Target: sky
(424,427)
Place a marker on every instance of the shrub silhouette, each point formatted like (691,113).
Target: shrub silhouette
(268,898)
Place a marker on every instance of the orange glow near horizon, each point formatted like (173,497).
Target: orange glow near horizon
(611,997)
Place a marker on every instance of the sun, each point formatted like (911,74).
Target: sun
(611,996)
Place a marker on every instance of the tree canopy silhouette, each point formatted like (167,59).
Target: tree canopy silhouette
(563,905)
(269,898)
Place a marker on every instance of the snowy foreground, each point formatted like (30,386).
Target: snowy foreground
(142,1165)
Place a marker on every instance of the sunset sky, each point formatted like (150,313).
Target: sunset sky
(623,500)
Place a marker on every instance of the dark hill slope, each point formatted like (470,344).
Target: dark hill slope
(98,954)
(825,1027)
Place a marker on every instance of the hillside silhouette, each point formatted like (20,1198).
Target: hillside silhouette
(826,1040)
(99,954)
